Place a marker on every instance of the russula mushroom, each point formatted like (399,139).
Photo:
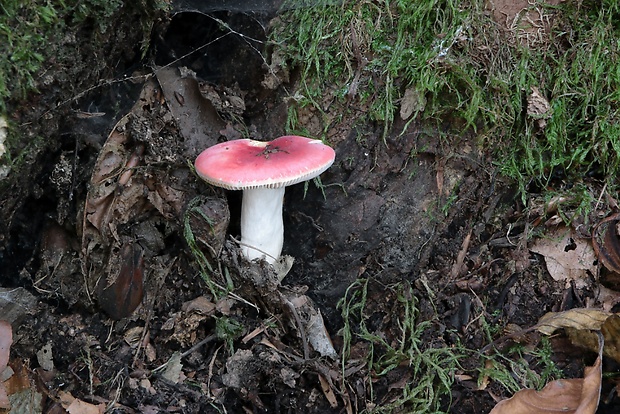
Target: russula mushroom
(262,170)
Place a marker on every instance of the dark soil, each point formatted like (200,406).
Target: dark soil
(94,244)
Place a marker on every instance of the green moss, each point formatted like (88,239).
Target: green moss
(522,367)
(473,75)
(432,368)
(30,30)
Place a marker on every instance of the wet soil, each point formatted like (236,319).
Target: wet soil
(96,251)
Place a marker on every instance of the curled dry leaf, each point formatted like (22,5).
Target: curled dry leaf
(578,396)
(591,319)
(611,332)
(537,105)
(606,242)
(579,324)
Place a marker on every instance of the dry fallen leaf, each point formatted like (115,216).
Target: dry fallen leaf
(413,101)
(200,305)
(607,243)
(567,256)
(611,332)
(608,298)
(538,107)
(328,392)
(579,324)
(174,369)
(6,339)
(45,357)
(76,406)
(592,319)
(578,396)
(22,390)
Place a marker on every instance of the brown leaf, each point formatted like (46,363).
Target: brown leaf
(6,339)
(120,296)
(606,242)
(567,256)
(413,101)
(608,298)
(537,105)
(76,406)
(591,319)
(579,324)
(327,390)
(200,305)
(576,396)
(611,332)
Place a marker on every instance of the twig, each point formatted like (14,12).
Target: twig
(189,351)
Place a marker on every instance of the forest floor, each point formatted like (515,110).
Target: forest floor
(419,262)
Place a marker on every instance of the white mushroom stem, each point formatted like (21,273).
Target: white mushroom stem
(262,229)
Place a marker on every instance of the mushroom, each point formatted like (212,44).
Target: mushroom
(262,170)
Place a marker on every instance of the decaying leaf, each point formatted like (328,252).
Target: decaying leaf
(5,403)
(578,396)
(174,369)
(575,318)
(608,298)
(133,336)
(289,376)
(22,391)
(45,357)
(611,332)
(606,242)
(132,201)
(328,392)
(201,305)
(123,291)
(580,324)
(413,101)
(538,107)
(567,256)
(6,339)
(311,321)
(76,406)
(317,334)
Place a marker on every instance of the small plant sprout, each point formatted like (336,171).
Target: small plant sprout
(263,170)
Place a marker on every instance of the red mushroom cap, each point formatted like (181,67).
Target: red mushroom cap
(244,163)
